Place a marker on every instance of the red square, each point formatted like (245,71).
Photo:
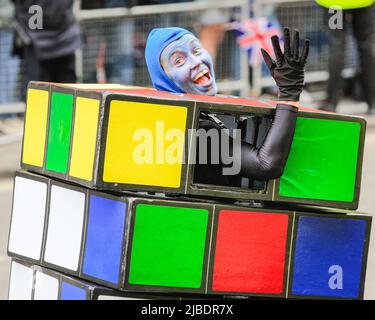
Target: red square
(250,252)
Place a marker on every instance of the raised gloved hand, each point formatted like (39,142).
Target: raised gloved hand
(289,68)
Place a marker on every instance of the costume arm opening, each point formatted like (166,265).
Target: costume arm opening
(268,162)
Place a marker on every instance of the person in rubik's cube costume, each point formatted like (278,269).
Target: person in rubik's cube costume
(88,218)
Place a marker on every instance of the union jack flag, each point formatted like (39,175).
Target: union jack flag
(254,34)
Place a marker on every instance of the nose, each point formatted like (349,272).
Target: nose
(195,62)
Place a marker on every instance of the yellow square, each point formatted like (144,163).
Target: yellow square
(84,138)
(157,129)
(35,127)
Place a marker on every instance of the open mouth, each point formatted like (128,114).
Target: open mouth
(203,78)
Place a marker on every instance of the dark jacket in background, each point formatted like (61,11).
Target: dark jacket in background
(60,35)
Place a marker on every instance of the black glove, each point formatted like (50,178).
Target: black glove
(289,68)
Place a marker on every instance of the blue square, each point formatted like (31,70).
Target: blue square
(329,256)
(104,239)
(72,292)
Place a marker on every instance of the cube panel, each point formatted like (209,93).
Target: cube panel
(20,282)
(329,256)
(135,139)
(60,130)
(28,217)
(163,245)
(46,287)
(251,252)
(34,139)
(134,153)
(85,131)
(104,238)
(72,292)
(65,227)
(315,170)
(168,246)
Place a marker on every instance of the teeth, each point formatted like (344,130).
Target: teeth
(201,74)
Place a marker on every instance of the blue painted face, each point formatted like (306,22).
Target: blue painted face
(189,66)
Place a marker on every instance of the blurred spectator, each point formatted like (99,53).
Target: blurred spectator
(362,21)
(9,70)
(48,53)
(120,67)
(213,29)
(111,45)
(9,66)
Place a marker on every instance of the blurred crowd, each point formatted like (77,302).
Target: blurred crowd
(117,49)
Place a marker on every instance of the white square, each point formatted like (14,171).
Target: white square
(46,287)
(28,216)
(21,282)
(65,224)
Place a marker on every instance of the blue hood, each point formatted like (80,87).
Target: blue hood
(157,40)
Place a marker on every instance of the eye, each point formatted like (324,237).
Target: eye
(179,61)
(197,50)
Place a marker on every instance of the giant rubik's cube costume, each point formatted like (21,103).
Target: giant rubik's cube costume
(84,207)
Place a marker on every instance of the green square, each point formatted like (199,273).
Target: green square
(322,163)
(60,130)
(168,246)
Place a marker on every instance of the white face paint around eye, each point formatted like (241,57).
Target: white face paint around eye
(189,66)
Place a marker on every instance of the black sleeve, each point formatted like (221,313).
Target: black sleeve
(268,162)
(261,164)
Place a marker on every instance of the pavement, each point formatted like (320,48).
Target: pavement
(10,158)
